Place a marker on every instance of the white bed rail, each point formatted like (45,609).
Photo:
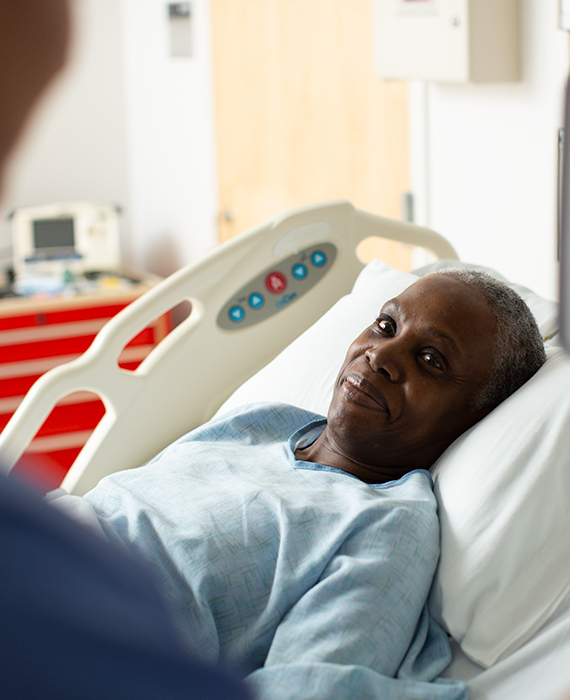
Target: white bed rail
(197,366)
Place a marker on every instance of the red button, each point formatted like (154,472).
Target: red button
(276,282)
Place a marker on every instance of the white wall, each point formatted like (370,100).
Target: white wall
(129,124)
(75,146)
(484,157)
(170,139)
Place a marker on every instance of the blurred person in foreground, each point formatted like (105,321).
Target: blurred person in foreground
(79,618)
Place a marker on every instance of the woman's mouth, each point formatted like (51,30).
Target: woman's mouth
(362,392)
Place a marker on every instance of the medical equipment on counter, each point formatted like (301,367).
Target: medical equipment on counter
(72,237)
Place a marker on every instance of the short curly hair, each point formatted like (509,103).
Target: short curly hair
(519,349)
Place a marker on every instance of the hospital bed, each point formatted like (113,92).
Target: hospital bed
(272,314)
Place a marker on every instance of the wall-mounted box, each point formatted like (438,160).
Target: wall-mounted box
(180,25)
(447,40)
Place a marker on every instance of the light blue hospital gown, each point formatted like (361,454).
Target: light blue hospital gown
(308,580)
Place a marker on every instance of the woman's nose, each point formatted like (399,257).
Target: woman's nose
(385,357)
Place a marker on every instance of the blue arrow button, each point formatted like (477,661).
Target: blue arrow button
(255,300)
(318,259)
(299,271)
(236,314)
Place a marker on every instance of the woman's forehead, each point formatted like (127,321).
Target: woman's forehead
(448,307)
(447,292)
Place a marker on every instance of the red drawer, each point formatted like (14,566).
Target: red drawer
(61,346)
(32,341)
(44,316)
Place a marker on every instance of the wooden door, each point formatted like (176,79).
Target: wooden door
(301,115)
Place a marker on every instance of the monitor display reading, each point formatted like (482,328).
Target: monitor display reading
(54,235)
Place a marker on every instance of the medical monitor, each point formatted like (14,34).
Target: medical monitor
(75,236)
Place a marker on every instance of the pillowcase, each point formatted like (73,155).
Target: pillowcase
(502,488)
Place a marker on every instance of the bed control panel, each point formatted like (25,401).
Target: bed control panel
(277,287)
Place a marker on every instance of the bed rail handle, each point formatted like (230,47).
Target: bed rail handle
(411,234)
(41,399)
(96,371)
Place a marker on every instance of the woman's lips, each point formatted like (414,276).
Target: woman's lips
(358,389)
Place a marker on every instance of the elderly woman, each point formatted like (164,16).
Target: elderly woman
(300,549)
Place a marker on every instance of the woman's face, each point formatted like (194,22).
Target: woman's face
(405,390)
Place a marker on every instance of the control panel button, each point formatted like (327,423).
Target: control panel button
(256,300)
(276,282)
(236,314)
(299,271)
(318,258)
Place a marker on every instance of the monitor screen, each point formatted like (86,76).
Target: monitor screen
(54,235)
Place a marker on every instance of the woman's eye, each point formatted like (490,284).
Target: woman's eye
(386,325)
(432,359)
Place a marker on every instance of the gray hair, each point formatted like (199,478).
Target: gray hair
(519,349)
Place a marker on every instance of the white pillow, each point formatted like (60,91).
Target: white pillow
(504,494)
(304,373)
(503,488)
